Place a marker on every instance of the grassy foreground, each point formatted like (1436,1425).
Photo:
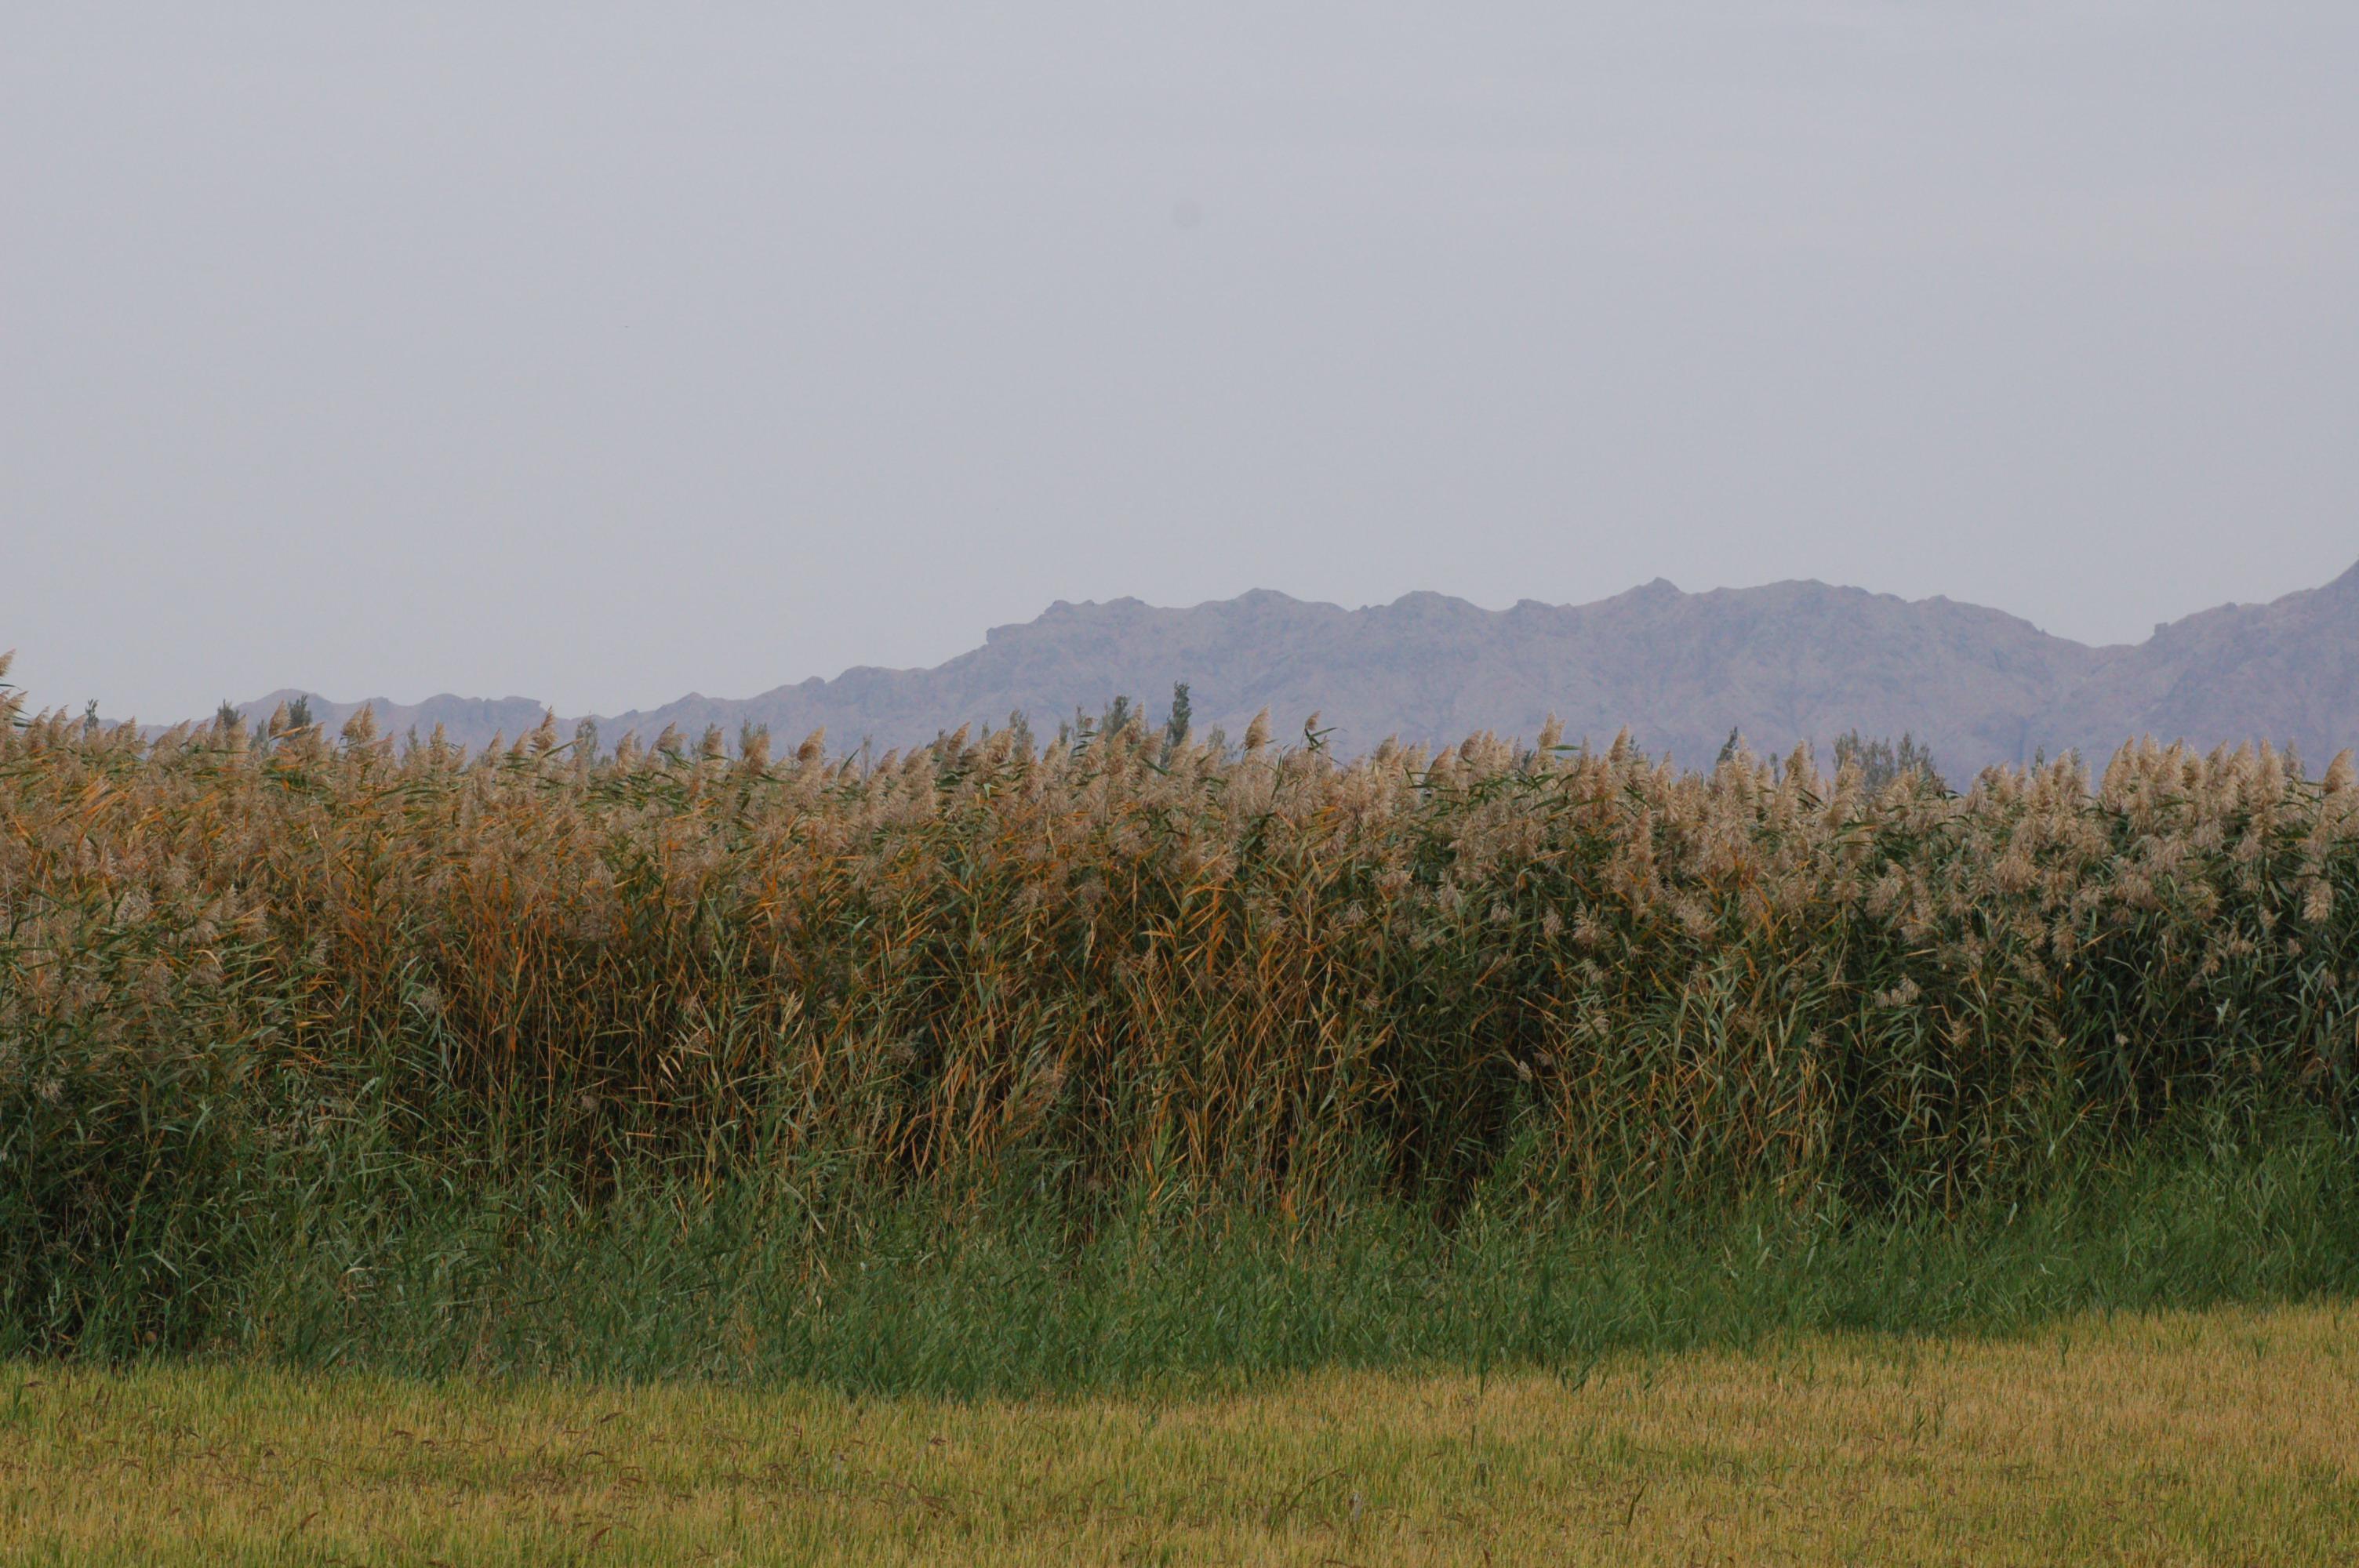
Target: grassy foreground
(2218,1436)
(1012,1300)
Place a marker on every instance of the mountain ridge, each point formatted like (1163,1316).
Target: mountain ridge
(1799,661)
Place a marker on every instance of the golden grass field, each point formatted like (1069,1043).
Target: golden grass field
(2228,1436)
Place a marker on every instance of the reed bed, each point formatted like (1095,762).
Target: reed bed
(1188,975)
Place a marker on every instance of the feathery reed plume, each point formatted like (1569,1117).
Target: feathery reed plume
(1258,734)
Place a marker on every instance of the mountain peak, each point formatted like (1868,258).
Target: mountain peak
(1797,661)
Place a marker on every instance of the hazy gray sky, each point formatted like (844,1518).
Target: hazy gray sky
(601,354)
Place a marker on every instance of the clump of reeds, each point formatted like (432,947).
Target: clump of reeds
(1270,975)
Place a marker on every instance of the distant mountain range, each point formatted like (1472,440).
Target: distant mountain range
(1790,662)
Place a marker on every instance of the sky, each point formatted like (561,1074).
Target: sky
(601,354)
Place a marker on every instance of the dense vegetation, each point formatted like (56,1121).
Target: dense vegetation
(271,999)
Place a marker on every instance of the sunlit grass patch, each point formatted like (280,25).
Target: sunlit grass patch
(2220,1436)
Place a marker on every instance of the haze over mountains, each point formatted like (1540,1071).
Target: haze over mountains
(1786,662)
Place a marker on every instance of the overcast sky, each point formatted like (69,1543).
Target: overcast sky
(603,354)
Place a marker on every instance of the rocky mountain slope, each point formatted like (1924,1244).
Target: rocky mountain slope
(1790,662)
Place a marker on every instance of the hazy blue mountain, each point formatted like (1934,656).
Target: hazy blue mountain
(2287,670)
(1786,662)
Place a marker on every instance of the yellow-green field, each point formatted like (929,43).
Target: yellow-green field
(2228,1436)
